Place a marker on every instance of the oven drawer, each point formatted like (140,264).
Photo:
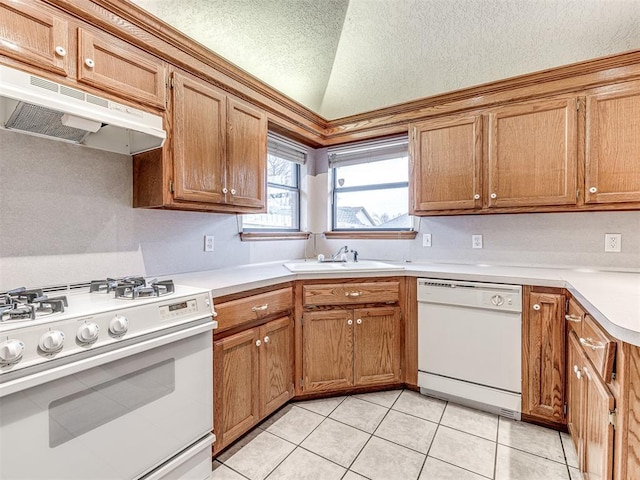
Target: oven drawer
(574,318)
(350,293)
(254,307)
(600,349)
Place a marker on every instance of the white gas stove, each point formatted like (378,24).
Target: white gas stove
(86,368)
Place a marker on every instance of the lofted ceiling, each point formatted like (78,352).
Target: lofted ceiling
(343,57)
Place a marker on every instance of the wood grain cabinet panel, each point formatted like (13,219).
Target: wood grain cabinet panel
(573,392)
(32,34)
(252,308)
(543,356)
(612,171)
(446,164)
(532,154)
(276,364)
(351,293)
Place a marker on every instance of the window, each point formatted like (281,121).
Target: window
(370,186)
(284,158)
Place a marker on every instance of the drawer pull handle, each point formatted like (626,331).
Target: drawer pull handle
(579,374)
(588,342)
(266,339)
(536,307)
(352,294)
(573,318)
(261,308)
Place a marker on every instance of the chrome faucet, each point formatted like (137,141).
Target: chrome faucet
(335,256)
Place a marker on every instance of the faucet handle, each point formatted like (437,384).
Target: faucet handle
(355,255)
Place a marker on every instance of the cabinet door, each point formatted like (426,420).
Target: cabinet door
(276,362)
(543,356)
(612,171)
(597,430)
(121,69)
(376,350)
(445,164)
(533,154)
(574,382)
(33,35)
(327,338)
(199,123)
(246,155)
(236,383)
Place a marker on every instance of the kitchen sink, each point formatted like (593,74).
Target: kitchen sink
(359,266)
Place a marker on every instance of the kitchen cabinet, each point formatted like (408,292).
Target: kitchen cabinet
(543,355)
(348,338)
(574,318)
(532,154)
(253,361)
(217,157)
(593,416)
(446,164)
(36,35)
(612,170)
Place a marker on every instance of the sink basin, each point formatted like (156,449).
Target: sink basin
(360,266)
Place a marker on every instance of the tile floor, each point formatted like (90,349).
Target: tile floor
(392,435)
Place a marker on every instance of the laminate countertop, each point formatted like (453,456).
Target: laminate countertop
(612,298)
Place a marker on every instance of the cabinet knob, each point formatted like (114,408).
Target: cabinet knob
(476,196)
(593,190)
(233,191)
(225,190)
(266,339)
(89,62)
(579,374)
(536,306)
(359,321)
(494,195)
(258,343)
(61,51)
(349,322)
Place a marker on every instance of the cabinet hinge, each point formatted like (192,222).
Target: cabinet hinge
(171,186)
(613,416)
(565,409)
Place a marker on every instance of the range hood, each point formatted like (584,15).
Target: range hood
(37,106)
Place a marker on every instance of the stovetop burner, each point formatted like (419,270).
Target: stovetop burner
(23,304)
(133,287)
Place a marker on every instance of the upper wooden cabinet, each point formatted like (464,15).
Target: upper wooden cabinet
(114,66)
(446,164)
(32,34)
(532,154)
(217,156)
(612,155)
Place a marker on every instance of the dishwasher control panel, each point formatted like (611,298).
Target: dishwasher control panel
(493,296)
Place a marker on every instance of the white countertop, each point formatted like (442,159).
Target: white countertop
(612,298)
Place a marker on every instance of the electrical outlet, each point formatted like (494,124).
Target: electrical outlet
(612,242)
(426,239)
(476,241)
(208,243)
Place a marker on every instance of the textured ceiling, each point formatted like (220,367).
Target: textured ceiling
(341,57)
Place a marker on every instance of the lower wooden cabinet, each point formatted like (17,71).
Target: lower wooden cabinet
(344,348)
(543,355)
(253,377)
(590,409)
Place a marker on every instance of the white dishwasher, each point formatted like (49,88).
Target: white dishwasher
(470,344)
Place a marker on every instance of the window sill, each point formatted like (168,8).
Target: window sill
(263,236)
(373,235)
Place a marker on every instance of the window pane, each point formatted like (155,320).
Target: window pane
(282,172)
(282,211)
(374,209)
(386,171)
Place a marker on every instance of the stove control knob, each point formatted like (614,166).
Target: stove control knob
(51,341)
(118,325)
(11,351)
(88,332)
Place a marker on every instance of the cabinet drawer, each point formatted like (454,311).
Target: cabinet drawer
(349,293)
(600,349)
(254,307)
(574,318)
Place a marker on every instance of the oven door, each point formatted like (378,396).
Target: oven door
(115,415)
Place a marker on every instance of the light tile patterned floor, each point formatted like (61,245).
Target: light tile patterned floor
(395,435)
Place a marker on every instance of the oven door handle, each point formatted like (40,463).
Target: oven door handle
(44,376)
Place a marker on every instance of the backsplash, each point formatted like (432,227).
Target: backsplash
(66,217)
